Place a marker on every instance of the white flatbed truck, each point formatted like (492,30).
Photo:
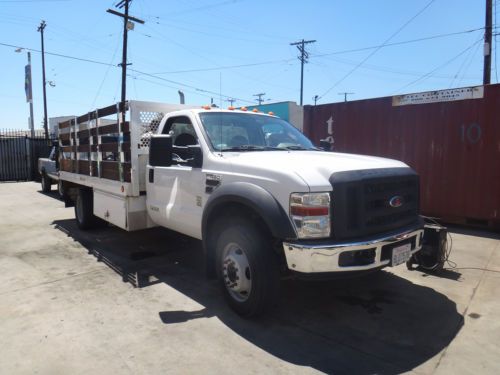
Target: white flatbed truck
(262,199)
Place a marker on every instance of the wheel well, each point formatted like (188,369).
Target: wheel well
(223,214)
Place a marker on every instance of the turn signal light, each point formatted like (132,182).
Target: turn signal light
(309,211)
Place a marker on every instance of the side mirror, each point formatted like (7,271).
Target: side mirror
(160,151)
(325,145)
(197,156)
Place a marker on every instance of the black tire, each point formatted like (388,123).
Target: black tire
(84,211)
(262,271)
(60,189)
(46,183)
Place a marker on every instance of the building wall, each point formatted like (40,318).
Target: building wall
(54,121)
(288,111)
(454,145)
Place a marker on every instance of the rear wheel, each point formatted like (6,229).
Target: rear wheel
(247,267)
(84,210)
(46,183)
(60,189)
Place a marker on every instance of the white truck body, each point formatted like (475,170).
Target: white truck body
(181,196)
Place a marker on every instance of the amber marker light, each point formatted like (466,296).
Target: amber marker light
(243,109)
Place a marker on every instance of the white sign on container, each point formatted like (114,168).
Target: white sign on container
(439,96)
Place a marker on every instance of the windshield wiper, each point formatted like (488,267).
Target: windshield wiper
(297,147)
(251,148)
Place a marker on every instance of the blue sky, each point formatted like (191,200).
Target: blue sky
(237,48)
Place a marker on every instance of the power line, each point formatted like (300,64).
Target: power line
(384,69)
(378,48)
(228,67)
(469,64)
(133,70)
(269,62)
(397,43)
(440,66)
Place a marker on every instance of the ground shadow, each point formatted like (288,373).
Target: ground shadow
(52,194)
(381,323)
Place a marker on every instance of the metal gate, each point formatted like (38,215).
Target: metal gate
(19,155)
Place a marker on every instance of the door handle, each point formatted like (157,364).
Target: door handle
(151,175)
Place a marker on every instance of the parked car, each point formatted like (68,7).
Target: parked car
(49,170)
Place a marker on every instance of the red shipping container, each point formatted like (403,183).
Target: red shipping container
(453,143)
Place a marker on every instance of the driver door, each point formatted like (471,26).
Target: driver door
(174,193)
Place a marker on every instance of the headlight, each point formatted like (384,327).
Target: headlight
(310,214)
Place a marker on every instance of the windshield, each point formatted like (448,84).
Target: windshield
(249,132)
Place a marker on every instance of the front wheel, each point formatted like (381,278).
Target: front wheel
(46,183)
(247,268)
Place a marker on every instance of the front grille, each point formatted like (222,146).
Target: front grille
(360,204)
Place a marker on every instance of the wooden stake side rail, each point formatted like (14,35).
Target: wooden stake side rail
(91,148)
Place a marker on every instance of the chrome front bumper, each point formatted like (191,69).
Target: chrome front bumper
(315,258)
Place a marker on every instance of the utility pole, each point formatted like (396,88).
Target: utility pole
(231,101)
(315,98)
(127,25)
(45,119)
(487,43)
(259,97)
(30,97)
(304,55)
(345,95)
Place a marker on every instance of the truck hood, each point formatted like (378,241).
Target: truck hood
(313,167)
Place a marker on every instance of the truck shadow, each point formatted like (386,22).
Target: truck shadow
(52,194)
(381,323)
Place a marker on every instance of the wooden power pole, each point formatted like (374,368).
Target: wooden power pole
(487,43)
(303,57)
(127,25)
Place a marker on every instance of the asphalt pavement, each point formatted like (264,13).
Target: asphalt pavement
(112,302)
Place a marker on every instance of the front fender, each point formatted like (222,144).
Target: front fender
(256,198)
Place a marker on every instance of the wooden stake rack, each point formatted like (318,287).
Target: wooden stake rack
(93,146)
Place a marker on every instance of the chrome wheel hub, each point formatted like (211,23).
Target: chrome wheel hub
(236,272)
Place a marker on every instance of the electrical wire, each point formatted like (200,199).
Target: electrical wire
(470,56)
(437,68)
(377,49)
(469,64)
(396,43)
(130,69)
(105,76)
